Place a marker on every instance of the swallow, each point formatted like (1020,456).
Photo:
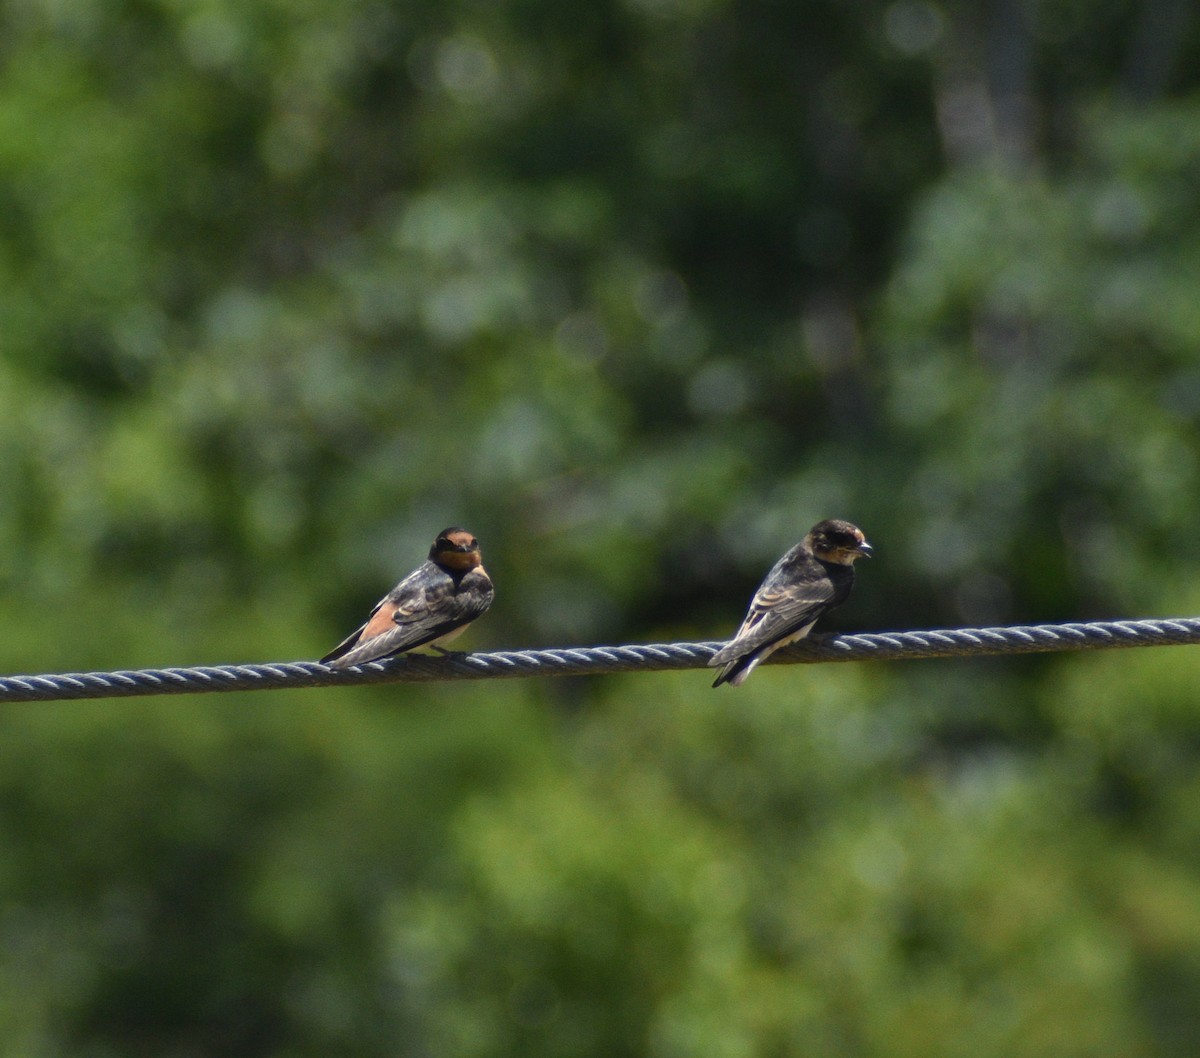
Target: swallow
(429,607)
(810,580)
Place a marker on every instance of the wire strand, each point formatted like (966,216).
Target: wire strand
(581,661)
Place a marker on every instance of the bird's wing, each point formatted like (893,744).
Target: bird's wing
(424,606)
(776,611)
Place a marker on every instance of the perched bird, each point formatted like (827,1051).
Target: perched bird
(430,606)
(810,580)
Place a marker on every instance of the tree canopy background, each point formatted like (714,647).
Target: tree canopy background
(637,291)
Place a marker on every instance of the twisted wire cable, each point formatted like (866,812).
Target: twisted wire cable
(579,661)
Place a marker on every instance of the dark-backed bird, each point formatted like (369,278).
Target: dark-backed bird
(810,580)
(428,608)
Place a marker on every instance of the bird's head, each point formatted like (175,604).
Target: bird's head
(455,548)
(837,541)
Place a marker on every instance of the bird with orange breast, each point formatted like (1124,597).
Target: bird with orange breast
(428,608)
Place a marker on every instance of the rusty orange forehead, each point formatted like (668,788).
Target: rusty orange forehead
(460,539)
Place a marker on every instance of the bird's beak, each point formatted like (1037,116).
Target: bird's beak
(865,549)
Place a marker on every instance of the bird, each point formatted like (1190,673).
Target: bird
(807,582)
(428,608)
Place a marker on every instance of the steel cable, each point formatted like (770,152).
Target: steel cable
(579,661)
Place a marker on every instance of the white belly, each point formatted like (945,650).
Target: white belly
(448,637)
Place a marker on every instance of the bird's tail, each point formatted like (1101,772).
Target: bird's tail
(737,671)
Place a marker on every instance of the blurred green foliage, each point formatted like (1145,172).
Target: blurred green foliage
(638,291)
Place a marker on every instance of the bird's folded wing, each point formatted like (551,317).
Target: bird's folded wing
(775,613)
(425,615)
